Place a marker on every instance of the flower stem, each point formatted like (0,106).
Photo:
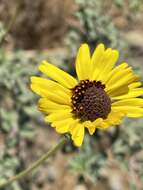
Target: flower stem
(35,165)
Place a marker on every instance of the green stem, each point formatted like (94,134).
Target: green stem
(35,165)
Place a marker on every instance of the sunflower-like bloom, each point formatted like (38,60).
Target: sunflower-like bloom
(100,97)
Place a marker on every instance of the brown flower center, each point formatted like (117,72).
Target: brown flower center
(90,101)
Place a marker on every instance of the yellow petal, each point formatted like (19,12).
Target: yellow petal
(59,115)
(83,63)
(129,102)
(124,81)
(115,117)
(98,121)
(63,126)
(76,120)
(90,126)
(131,94)
(131,111)
(108,64)
(114,72)
(78,134)
(135,85)
(58,97)
(58,75)
(103,61)
(49,85)
(122,90)
(119,75)
(103,125)
(97,57)
(97,60)
(48,106)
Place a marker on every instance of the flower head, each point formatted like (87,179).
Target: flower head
(100,97)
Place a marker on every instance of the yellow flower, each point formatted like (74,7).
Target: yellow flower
(101,96)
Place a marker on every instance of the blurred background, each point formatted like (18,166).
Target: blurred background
(31,31)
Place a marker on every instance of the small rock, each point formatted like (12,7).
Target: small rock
(80,187)
(52,174)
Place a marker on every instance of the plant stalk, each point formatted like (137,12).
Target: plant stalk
(35,165)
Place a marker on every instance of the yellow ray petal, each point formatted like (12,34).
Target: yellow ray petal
(124,81)
(59,115)
(90,126)
(96,59)
(131,94)
(131,111)
(48,106)
(78,134)
(122,90)
(108,64)
(103,61)
(49,85)
(115,117)
(63,126)
(103,125)
(129,102)
(97,54)
(72,126)
(83,63)
(135,85)
(114,72)
(119,75)
(58,97)
(58,75)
